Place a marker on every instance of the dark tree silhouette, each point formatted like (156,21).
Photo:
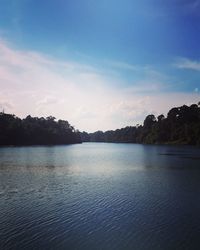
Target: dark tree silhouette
(35,131)
(181,126)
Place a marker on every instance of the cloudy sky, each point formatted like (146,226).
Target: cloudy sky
(98,64)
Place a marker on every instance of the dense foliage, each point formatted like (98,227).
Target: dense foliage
(35,131)
(181,126)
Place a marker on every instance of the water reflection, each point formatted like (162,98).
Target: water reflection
(171,157)
(99,196)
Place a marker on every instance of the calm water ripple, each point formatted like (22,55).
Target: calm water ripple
(100,196)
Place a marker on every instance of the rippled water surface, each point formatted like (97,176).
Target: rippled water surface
(100,196)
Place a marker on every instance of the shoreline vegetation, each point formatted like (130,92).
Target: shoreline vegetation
(36,131)
(181,126)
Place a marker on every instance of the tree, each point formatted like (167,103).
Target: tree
(34,131)
(149,121)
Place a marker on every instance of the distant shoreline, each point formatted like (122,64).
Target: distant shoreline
(180,127)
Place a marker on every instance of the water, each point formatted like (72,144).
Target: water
(100,196)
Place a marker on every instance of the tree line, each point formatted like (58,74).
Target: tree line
(36,131)
(180,126)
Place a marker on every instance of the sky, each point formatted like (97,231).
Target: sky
(100,65)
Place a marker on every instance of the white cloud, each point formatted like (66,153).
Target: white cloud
(184,63)
(145,86)
(36,84)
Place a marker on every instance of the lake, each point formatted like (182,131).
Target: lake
(100,196)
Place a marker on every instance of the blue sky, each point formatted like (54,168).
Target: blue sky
(109,63)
